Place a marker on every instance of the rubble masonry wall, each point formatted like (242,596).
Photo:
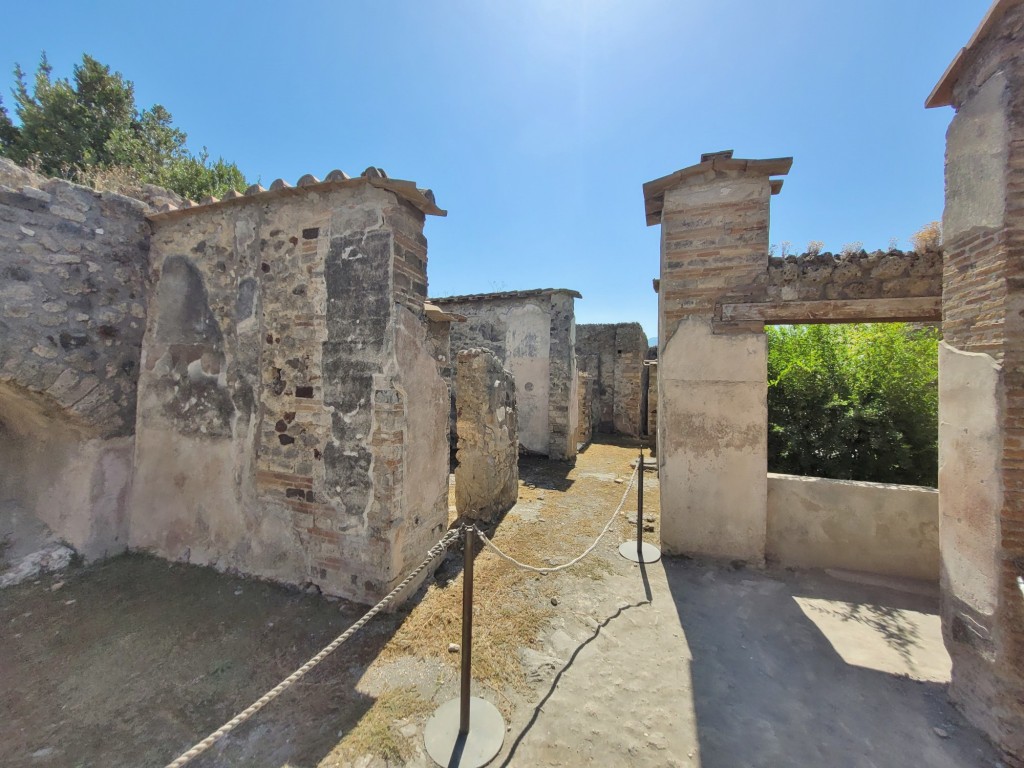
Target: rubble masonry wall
(73,285)
(487,475)
(292,422)
(613,354)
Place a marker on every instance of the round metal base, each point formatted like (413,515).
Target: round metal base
(447,747)
(649,552)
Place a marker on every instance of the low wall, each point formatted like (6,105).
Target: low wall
(815,522)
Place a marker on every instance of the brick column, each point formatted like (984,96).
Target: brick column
(981,377)
(712,377)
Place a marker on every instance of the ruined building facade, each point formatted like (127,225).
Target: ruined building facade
(981,376)
(236,383)
(533,333)
(613,354)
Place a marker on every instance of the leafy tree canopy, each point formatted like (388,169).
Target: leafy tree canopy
(89,127)
(855,402)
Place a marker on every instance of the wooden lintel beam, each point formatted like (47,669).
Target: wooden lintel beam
(917,309)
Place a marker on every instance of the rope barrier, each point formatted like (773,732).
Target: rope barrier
(295,676)
(553,569)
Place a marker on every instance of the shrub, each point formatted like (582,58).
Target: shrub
(856,402)
(928,237)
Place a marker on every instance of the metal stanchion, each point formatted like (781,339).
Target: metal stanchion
(640,551)
(467,731)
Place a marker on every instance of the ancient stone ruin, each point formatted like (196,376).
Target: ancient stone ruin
(981,388)
(533,333)
(260,384)
(235,383)
(613,355)
(487,475)
(719,286)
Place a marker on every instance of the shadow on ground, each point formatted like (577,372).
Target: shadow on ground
(771,686)
(135,659)
(539,707)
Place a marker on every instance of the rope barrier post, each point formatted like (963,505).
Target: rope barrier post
(640,551)
(466,732)
(640,505)
(467,629)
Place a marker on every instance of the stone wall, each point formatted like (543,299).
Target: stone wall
(292,421)
(73,283)
(613,354)
(533,334)
(487,475)
(815,522)
(880,274)
(563,394)
(981,377)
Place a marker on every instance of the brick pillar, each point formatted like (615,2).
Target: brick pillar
(981,377)
(712,377)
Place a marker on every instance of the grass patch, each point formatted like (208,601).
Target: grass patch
(508,614)
(512,606)
(376,734)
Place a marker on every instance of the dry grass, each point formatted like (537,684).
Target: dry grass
(928,237)
(376,732)
(512,606)
(507,615)
(119,179)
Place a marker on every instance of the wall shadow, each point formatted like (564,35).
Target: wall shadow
(541,472)
(770,689)
(134,659)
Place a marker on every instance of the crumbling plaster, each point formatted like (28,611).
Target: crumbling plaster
(292,421)
(487,474)
(533,333)
(815,522)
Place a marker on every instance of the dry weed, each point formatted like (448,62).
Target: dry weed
(376,734)
(511,606)
(928,237)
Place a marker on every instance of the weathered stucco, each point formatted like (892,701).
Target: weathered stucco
(981,377)
(292,420)
(970,444)
(533,334)
(70,478)
(977,151)
(712,442)
(816,522)
(487,475)
(416,524)
(712,388)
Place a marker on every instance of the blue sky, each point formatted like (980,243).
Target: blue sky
(536,122)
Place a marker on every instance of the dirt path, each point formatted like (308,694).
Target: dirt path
(682,664)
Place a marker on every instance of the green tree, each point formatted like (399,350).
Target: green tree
(89,126)
(854,402)
(8,133)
